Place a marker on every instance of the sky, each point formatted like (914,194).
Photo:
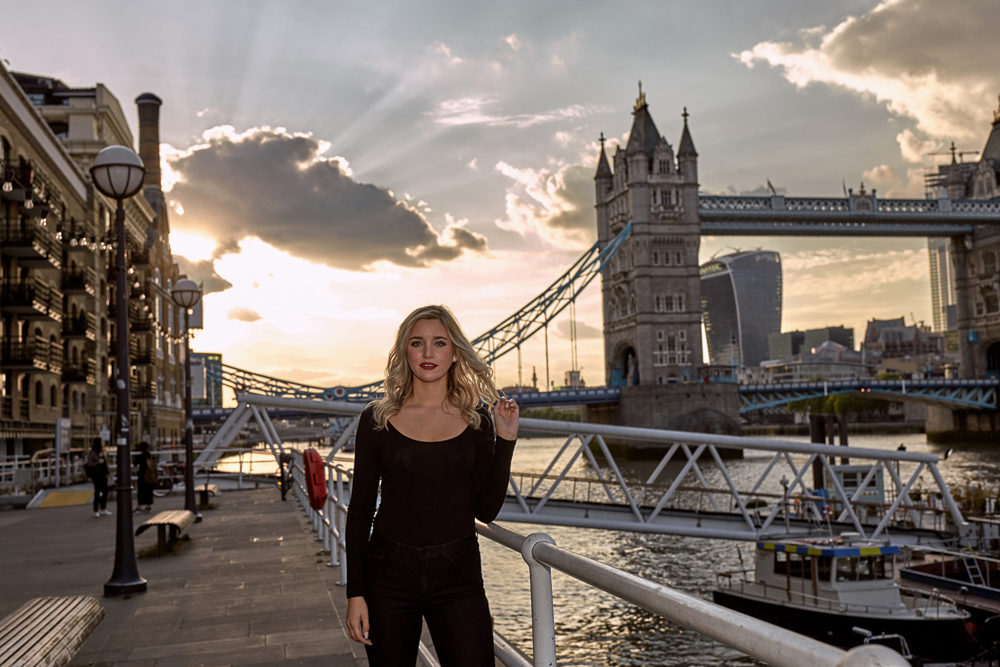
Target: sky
(332,166)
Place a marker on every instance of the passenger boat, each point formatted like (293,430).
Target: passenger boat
(826,588)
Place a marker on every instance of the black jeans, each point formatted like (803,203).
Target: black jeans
(442,584)
(100,492)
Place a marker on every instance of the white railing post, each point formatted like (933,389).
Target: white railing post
(331,515)
(342,523)
(543,625)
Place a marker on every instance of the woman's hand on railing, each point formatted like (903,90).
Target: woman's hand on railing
(357,620)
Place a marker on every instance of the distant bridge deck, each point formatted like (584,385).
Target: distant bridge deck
(856,215)
(974,394)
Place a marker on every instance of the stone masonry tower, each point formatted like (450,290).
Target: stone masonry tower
(651,288)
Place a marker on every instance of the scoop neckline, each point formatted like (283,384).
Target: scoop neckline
(427,442)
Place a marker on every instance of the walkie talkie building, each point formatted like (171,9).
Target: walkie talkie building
(741,304)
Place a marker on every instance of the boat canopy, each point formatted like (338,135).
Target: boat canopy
(831,551)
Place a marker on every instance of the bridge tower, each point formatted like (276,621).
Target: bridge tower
(650,288)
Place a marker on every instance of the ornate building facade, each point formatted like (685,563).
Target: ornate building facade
(50,134)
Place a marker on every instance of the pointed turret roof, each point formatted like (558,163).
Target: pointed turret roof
(686,147)
(644,135)
(992,149)
(603,168)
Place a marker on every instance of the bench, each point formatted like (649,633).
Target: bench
(47,632)
(205,489)
(176,520)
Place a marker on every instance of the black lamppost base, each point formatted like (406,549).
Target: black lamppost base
(117,588)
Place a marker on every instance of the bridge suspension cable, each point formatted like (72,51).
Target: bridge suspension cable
(505,337)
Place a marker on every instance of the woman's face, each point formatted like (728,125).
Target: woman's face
(429,351)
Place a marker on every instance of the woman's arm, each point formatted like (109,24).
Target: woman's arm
(495,478)
(361,511)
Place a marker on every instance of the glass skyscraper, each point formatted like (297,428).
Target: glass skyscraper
(942,283)
(741,305)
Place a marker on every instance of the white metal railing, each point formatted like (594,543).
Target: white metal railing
(648,507)
(764,641)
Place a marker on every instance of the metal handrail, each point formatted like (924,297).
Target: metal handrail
(759,639)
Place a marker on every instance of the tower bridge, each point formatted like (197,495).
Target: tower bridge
(650,219)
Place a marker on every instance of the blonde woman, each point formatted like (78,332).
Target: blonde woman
(443,459)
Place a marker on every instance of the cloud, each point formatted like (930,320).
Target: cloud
(934,62)
(880,175)
(759,191)
(444,50)
(513,41)
(583,331)
(277,186)
(556,205)
(473,111)
(916,149)
(242,314)
(203,273)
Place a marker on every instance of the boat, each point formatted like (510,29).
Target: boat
(840,590)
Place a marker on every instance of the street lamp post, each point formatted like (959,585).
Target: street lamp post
(186,295)
(117,173)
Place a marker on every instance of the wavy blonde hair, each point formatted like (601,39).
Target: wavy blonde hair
(470,379)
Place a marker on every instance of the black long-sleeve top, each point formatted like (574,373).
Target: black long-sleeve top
(432,492)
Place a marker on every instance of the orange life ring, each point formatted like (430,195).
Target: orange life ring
(315,473)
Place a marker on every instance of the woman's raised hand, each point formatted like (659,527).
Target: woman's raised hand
(506,413)
(357,619)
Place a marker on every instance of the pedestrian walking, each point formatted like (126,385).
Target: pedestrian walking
(146,478)
(440,441)
(97,470)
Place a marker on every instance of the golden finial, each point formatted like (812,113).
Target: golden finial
(640,101)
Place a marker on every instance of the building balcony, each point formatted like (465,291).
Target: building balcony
(81,281)
(12,408)
(144,357)
(31,299)
(144,390)
(33,245)
(37,355)
(83,326)
(140,257)
(82,372)
(133,346)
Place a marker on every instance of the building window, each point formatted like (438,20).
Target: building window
(990,300)
(39,393)
(680,258)
(656,194)
(53,396)
(656,258)
(989,264)
(664,167)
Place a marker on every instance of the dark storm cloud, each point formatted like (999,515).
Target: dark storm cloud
(277,186)
(203,273)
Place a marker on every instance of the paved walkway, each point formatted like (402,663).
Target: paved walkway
(249,588)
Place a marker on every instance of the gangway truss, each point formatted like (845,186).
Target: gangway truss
(696,489)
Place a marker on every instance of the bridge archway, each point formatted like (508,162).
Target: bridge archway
(993,360)
(624,365)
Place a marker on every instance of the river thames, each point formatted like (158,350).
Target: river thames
(595,628)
